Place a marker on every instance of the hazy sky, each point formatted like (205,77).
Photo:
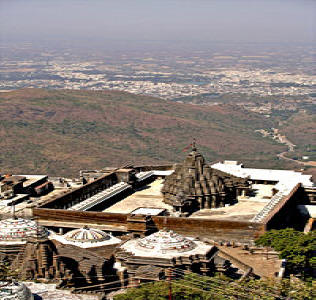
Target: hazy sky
(172,20)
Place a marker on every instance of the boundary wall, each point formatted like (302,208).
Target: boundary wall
(217,230)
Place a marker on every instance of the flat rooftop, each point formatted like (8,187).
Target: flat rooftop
(148,211)
(147,196)
(6,209)
(283,176)
(244,210)
(16,199)
(149,200)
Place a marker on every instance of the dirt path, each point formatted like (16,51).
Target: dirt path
(284,140)
(308,163)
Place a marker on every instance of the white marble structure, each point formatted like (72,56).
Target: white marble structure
(166,244)
(86,238)
(17,230)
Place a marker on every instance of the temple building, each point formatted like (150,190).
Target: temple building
(14,234)
(42,255)
(26,246)
(147,258)
(194,185)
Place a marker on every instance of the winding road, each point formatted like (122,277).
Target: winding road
(284,140)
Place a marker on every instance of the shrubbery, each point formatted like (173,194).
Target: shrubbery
(296,247)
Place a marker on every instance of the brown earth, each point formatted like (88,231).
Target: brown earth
(60,132)
(300,129)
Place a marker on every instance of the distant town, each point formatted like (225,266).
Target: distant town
(168,76)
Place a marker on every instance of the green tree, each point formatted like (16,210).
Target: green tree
(294,246)
(197,287)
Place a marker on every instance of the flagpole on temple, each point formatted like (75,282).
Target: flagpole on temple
(192,145)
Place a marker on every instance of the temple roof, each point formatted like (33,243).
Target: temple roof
(86,237)
(165,244)
(194,158)
(86,234)
(163,241)
(17,230)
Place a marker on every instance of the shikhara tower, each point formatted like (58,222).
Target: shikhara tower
(194,185)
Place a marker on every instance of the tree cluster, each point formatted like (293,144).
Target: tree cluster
(296,247)
(197,287)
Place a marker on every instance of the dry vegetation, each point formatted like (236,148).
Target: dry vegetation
(61,131)
(300,128)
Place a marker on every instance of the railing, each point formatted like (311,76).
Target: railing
(141,176)
(100,197)
(285,192)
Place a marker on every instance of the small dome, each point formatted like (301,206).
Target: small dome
(87,235)
(163,241)
(14,291)
(18,229)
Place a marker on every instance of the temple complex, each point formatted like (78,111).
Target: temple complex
(42,255)
(163,250)
(118,227)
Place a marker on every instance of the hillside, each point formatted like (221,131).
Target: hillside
(300,129)
(60,132)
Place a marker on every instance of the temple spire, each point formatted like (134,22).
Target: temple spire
(194,145)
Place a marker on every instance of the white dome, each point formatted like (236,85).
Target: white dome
(86,234)
(14,291)
(18,229)
(166,241)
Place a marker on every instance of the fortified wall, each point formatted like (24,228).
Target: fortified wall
(217,230)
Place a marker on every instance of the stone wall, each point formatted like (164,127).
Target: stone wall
(80,217)
(217,230)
